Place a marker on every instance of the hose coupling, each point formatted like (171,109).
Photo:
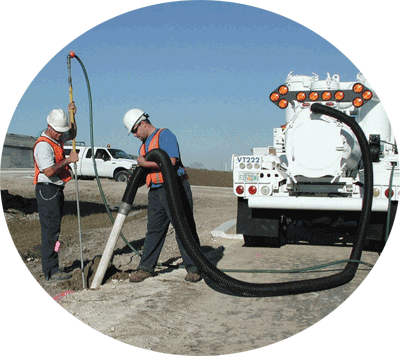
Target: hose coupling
(124,208)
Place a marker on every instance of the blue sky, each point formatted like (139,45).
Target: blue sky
(203,69)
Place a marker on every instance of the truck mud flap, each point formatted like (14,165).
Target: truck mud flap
(259,227)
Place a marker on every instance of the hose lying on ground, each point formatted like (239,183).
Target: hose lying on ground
(186,232)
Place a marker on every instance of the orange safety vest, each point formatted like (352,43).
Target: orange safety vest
(153,177)
(59,155)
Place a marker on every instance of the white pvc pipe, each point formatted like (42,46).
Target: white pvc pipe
(315,203)
(108,251)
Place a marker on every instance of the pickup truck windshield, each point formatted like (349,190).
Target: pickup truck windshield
(118,153)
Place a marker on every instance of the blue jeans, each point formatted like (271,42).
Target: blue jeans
(50,200)
(158,220)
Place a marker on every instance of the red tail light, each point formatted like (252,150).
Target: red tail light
(240,189)
(387,193)
(252,190)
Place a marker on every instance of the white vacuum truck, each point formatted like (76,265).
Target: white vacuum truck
(312,175)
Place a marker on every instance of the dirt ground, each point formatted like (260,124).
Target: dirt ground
(165,313)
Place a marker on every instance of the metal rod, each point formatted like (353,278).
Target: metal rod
(71,112)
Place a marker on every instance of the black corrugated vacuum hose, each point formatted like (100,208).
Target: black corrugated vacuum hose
(182,221)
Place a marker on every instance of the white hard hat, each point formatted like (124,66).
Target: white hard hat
(133,117)
(58,120)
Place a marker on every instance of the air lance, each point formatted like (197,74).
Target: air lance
(72,116)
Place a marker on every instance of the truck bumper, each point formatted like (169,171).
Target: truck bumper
(315,203)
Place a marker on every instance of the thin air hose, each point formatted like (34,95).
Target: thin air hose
(92,146)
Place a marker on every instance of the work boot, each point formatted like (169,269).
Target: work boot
(140,276)
(192,277)
(59,276)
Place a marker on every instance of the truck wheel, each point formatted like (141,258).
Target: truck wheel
(121,176)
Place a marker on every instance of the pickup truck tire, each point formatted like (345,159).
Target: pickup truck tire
(121,176)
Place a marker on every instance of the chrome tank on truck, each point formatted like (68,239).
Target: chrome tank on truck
(313,171)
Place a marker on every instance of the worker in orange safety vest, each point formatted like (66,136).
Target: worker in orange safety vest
(137,122)
(51,175)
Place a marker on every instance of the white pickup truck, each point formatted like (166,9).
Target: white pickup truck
(111,163)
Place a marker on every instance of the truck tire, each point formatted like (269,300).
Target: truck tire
(121,176)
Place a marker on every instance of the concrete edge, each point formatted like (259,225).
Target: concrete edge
(220,231)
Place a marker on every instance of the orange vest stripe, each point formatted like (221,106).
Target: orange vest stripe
(59,155)
(153,177)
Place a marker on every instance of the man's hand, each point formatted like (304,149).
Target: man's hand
(55,168)
(141,161)
(72,123)
(73,157)
(71,106)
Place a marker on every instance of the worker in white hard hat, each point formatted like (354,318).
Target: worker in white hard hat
(51,175)
(137,122)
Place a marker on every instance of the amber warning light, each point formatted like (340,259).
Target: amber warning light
(358,95)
